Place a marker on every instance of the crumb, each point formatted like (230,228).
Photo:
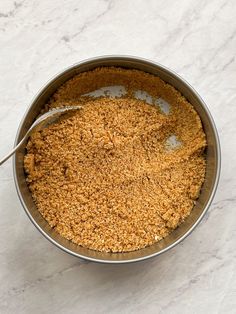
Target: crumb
(102,177)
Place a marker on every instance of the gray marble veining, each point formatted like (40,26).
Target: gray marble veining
(197,39)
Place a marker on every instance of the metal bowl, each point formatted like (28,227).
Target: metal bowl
(212,171)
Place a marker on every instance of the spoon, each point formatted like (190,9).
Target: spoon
(42,122)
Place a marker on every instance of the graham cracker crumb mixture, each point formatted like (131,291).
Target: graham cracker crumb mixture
(104,177)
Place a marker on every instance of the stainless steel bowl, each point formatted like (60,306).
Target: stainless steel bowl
(208,189)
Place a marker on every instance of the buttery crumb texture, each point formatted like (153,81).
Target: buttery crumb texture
(104,177)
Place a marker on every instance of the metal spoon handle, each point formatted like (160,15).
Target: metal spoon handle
(42,122)
(12,151)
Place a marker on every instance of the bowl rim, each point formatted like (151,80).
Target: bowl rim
(201,101)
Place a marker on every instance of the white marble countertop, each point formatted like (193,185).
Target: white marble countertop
(197,39)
